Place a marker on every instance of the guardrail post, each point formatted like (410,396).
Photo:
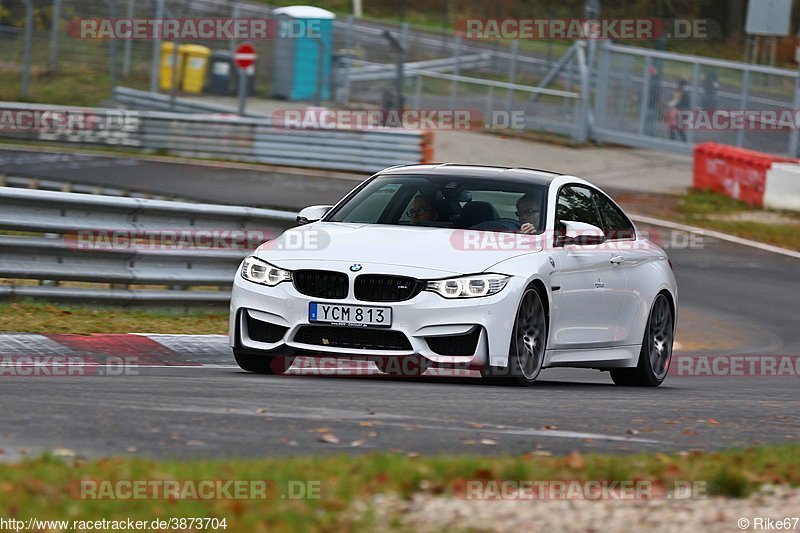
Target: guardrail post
(487,119)
(745,102)
(601,90)
(457,71)
(112,48)
(418,92)
(582,118)
(512,73)
(126,55)
(52,63)
(26,47)
(693,100)
(156,56)
(644,101)
(794,133)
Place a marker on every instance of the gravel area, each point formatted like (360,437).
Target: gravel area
(425,512)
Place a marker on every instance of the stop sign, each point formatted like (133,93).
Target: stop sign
(245,55)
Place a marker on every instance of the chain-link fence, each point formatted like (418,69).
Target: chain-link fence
(590,89)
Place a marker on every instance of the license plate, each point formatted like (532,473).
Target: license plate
(350,315)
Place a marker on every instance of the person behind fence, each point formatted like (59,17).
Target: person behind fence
(678,103)
(653,96)
(710,87)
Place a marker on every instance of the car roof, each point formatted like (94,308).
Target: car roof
(538,176)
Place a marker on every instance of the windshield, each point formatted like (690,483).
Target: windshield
(447,202)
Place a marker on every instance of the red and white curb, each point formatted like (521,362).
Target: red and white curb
(165,350)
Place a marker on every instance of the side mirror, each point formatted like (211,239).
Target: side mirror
(581,234)
(312,213)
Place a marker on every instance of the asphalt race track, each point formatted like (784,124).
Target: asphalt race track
(206,182)
(192,401)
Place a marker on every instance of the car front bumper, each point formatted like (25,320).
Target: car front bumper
(424,317)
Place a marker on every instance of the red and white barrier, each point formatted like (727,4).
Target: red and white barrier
(755,178)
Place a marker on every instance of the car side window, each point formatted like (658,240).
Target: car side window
(575,204)
(616,225)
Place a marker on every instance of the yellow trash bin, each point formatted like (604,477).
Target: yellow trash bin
(165,72)
(195,66)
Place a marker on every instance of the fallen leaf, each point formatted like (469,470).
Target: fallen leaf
(365,424)
(320,430)
(632,432)
(195,443)
(330,438)
(575,461)
(488,442)
(131,449)
(63,452)
(713,422)
(357,443)
(476,426)
(549,427)
(262,410)
(689,432)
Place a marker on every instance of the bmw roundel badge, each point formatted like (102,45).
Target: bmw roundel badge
(355,268)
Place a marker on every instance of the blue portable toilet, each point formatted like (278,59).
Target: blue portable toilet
(303,53)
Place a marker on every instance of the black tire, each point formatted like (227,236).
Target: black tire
(529,336)
(263,364)
(656,352)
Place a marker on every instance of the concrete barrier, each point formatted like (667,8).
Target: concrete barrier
(782,189)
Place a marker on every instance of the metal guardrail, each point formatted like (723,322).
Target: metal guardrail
(363,71)
(228,137)
(132,244)
(27,182)
(147,101)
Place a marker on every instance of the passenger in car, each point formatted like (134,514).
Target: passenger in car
(422,210)
(529,213)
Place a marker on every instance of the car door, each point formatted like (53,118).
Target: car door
(586,288)
(631,259)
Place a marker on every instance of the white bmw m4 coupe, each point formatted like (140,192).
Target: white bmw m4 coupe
(501,270)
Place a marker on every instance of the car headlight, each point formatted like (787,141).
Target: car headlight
(258,271)
(469,286)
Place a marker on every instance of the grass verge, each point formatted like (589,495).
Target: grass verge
(49,488)
(38,317)
(714,211)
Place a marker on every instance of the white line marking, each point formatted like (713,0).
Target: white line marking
(716,235)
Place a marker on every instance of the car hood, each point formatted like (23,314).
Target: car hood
(442,251)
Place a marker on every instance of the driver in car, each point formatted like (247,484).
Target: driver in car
(529,213)
(422,210)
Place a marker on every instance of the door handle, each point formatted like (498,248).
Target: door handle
(617,259)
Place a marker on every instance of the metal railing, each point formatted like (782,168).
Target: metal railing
(146,250)
(233,138)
